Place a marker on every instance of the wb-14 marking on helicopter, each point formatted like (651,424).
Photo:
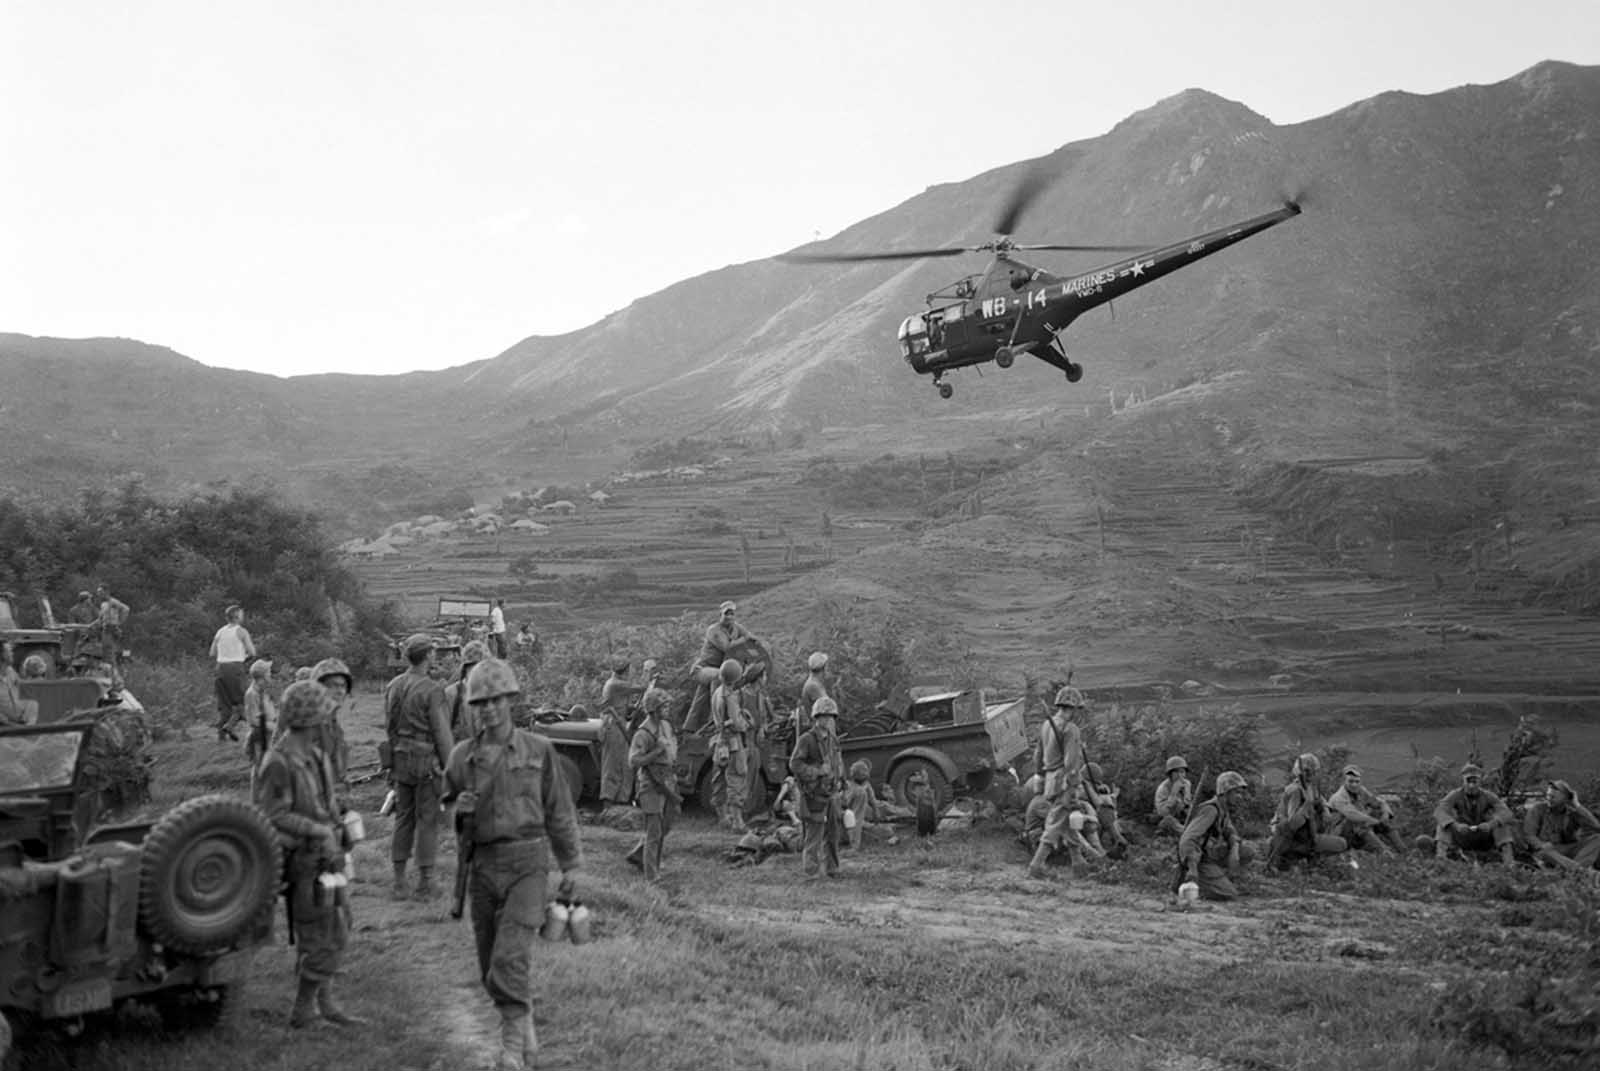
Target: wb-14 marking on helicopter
(1012,308)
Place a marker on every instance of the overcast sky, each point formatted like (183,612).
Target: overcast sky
(386,185)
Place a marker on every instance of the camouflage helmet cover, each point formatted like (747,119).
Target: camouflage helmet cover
(305,704)
(1228,780)
(35,666)
(825,708)
(731,670)
(1176,763)
(1071,698)
(491,679)
(333,667)
(1096,774)
(474,652)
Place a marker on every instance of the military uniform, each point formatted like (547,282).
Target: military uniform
(1460,811)
(653,754)
(818,767)
(1212,847)
(1173,797)
(1298,827)
(616,775)
(1569,834)
(522,813)
(296,790)
(419,734)
(731,714)
(1363,819)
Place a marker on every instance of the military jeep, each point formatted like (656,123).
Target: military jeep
(169,912)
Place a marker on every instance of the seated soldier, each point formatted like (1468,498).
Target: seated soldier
(1471,819)
(1173,797)
(786,808)
(1103,796)
(1211,853)
(1067,828)
(860,802)
(1362,818)
(1561,831)
(1299,826)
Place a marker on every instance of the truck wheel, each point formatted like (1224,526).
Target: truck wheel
(208,874)
(937,782)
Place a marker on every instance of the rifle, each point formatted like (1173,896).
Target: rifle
(1194,804)
(371,771)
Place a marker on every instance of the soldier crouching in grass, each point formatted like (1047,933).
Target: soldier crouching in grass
(1362,817)
(1210,852)
(1561,831)
(521,812)
(296,790)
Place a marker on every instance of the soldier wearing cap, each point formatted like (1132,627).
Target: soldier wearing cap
(455,695)
(653,755)
(616,774)
(1211,853)
(522,814)
(1300,825)
(819,769)
(1471,819)
(418,725)
(296,790)
(812,689)
(725,638)
(1059,758)
(1174,797)
(1561,831)
(1362,817)
(260,714)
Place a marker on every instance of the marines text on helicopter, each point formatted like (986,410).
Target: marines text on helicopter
(1012,308)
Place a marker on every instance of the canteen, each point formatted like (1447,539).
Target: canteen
(555,922)
(578,917)
(1188,894)
(354,828)
(388,804)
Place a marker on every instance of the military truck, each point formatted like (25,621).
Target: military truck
(169,912)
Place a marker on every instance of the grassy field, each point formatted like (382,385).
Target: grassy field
(931,955)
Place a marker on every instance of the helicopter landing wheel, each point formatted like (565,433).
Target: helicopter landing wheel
(945,390)
(1074,372)
(1004,356)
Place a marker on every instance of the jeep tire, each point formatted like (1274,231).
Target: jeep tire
(209,874)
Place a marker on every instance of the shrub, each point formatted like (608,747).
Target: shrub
(1132,745)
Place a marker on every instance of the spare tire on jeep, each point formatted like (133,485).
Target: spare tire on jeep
(209,874)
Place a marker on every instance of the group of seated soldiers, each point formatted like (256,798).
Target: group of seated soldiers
(1470,822)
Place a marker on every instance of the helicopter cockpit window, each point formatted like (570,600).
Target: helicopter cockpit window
(913,336)
(1020,278)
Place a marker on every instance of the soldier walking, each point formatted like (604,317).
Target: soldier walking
(418,726)
(296,790)
(509,782)
(230,648)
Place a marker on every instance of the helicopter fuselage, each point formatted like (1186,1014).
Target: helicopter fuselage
(1014,308)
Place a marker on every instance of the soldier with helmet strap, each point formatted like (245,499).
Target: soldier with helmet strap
(296,790)
(653,754)
(1060,762)
(731,746)
(1211,852)
(522,812)
(418,725)
(1174,796)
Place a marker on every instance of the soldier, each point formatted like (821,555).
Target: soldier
(1561,831)
(262,726)
(84,611)
(112,616)
(652,687)
(497,628)
(1060,761)
(1173,798)
(455,695)
(1471,819)
(732,747)
(1361,817)
(812,690)
(653,754)
(1103,796)
(860,802)
(818,768)
(1210,851)
(418,726)
(508,779)
(616,773)
(14,710)
(1299,828)
(296,790)
(723,636)
(230,647)
(336,677)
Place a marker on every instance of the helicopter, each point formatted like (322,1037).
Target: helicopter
(1012,309)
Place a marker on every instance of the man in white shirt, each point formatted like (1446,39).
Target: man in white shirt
(497,628)
(231,648)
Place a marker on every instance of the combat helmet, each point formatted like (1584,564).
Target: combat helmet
(1228,780)
(825,708)
(1176,763)
(731,671)
(1071,698)
(305,704)
(491,679)
(333,667)
(35,666)
(474,652)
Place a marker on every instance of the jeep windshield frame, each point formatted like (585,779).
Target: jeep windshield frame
(42,758)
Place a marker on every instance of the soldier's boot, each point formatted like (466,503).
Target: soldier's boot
(511,1025)
(425,883)
(1040,856)
(401,891)
(1507,856)
(304,1012)
(331,1009)
(635,858)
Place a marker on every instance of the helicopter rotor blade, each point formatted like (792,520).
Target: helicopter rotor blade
(1027,189)
(854,258)
(1087,248)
